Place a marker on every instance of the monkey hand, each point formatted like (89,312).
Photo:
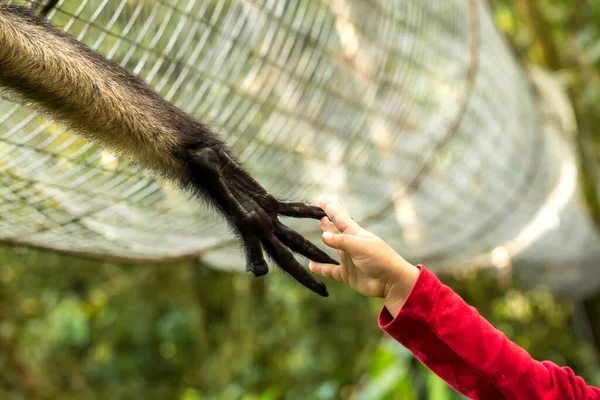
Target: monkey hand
(254,214)
(37,61)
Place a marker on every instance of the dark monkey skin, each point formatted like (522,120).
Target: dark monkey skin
(44,68)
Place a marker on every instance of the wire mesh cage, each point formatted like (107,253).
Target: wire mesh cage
(413,112)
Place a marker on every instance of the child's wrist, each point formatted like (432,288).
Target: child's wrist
(399,286)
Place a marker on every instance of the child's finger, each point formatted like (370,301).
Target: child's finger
(341,219)
(326,270)
(350,243)
(327,226)
(338,214)
(334,198)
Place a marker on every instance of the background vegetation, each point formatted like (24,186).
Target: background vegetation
(72,328)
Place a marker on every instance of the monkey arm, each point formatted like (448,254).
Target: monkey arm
(49,70)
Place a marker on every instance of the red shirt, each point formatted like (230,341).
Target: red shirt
(466,351)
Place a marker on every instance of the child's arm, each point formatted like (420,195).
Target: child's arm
(436,325)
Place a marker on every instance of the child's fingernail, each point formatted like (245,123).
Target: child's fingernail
(327,235)
(323,197)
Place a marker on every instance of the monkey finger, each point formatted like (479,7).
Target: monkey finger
(300,210)
(285,259)
(300,244)
(255,262)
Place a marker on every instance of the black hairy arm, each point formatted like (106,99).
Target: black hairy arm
(45,68)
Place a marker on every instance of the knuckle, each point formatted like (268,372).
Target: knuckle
(336,219)
(257,219)
(270,203)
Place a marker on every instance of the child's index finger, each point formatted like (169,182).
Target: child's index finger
(327,225)
(338,215)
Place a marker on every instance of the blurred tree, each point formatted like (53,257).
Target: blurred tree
(563,36)
(74,328)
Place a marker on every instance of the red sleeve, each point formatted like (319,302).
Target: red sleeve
(474,358)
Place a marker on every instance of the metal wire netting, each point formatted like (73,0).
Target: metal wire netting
(414,112)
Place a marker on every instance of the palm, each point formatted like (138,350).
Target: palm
(362,272)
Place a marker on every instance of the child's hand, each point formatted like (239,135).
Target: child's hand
(367,264)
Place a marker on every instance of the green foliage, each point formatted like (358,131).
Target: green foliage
(73,328)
